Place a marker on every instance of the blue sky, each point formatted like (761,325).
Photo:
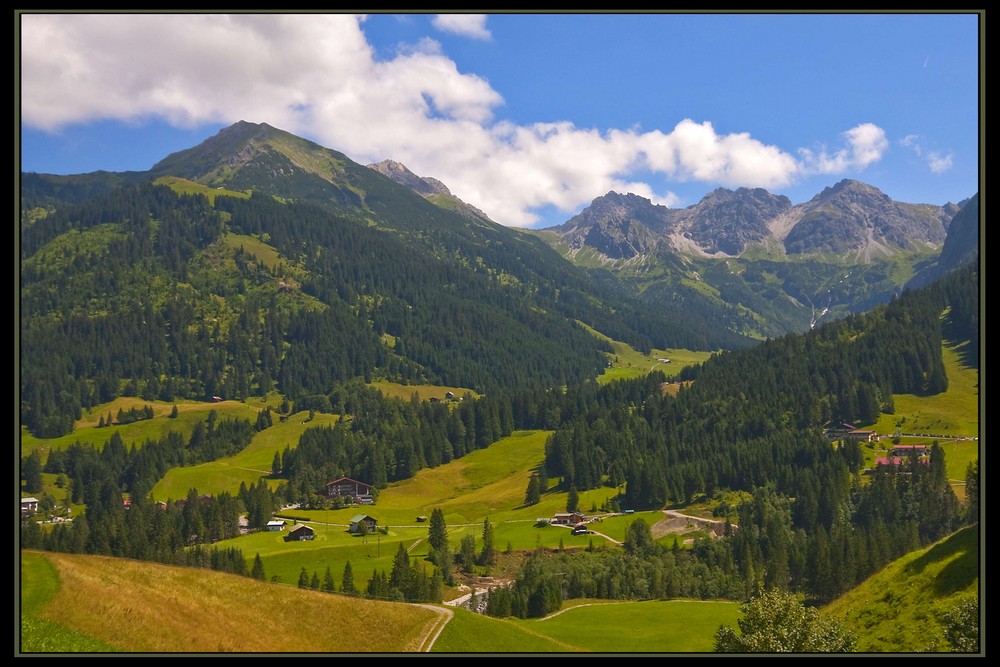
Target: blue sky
(528,116)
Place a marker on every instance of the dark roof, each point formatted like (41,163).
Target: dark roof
(347,479)
(301,527)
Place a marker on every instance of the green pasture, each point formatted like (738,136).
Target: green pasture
(655,626)
(260,250)
(186,187)
(468,632)
(246,466)
(332,547)
(189,413)
(423,391)
(487,483)
(626,363)
(62,496)
(616,527)
(954,412)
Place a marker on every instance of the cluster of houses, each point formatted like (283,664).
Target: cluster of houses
(351,491)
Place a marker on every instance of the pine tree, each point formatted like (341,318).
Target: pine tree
(972,492)
(399,576)
(303,578)
(437,532)
(468,553)
(314,581)
(533,494)
(488,555)
(257,572)
(328,585)
(347,582)
(31,472)
(572,500)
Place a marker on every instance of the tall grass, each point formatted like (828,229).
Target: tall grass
(146,607)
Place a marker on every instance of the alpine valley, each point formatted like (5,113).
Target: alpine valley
(264,359)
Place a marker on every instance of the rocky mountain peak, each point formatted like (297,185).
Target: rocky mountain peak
(399,173)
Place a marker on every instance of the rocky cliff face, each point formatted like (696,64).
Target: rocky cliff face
(619,226)
(726,221)
(853,216)
(399,173)
(961,246)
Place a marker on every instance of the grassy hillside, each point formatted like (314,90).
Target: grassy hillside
(94,604)
(43,632)
(469,632)
(424,391)
(954,412)
(625,362)
(898,610)
(487,483)
(145,607)
(951,417)
(189,413)
(247,466)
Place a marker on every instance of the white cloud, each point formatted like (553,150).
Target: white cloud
(866,144)
(912,141)
(316,75)
(467,25)
(939,163)
(694,151)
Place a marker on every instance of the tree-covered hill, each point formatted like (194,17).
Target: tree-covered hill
(328,271)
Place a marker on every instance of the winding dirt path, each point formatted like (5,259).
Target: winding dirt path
(436,627)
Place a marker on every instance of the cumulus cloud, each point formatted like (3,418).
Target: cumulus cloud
(317,76)
(866,143)
(939,163)
(467,25)
(694,151)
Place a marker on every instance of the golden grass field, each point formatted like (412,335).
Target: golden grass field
(146,607)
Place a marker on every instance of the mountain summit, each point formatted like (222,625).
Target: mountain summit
(430,188)
(849,217)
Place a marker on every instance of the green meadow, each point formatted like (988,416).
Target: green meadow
(424,392)
(468,632)
(95,604)
(186,187)
(954,412)
(189,413)
(951,418)
(247,466)
(655,626)
(626,363)
(487,483)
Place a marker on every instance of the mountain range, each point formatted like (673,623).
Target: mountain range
(851,219)
(307,248)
